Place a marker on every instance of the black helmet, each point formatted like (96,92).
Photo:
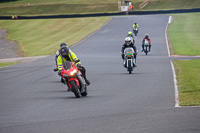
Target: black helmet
(63,44)
(146,35)
(64,51)
(135,23)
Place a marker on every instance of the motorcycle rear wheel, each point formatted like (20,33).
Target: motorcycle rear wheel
(75,89)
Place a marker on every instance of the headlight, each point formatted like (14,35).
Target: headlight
(73,72)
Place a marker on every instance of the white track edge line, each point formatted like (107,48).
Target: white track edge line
(175,86)
(174,74)
(166,38)
(172,66)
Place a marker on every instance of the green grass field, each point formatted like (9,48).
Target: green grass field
(53,7)
(8,64)
(188,76)
(172,4)
(184,32)
(59,9)
(38,7)
(43,37)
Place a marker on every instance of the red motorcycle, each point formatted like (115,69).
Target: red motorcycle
(74,79)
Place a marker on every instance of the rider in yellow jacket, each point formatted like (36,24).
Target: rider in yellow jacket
(135,25)
(70,57)
(67,55)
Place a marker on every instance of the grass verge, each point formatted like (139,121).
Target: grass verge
(184,34)
(53,7)
(184,38)
(172,4)
(59,9)
(188,76)
(43,37)
(7,64)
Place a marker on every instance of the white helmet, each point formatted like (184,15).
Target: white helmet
(128,40)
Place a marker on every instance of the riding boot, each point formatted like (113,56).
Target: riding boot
(83,71)
(135,63)
(142,48)
(55,69)
(62,80)
(149,47)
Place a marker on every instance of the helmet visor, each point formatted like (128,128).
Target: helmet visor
(128,42)
(64,53)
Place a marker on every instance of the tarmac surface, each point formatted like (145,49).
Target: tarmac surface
(32,98)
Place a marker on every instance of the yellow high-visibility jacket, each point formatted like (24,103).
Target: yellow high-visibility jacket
(135,25)
(72,57)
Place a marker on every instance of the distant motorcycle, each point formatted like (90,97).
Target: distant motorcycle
(73,79)
(135,30)
(146,46)
(129,61)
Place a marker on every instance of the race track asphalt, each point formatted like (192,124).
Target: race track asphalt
(32,98)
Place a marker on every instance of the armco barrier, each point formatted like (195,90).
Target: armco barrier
(107,14)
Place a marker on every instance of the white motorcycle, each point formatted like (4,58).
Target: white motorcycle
(135,30)
(146,46)
(129,61)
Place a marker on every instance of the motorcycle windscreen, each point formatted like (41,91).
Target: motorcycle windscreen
(67,65)
(129,50)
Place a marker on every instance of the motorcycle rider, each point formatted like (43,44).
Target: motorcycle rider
(127,44)
(131,35)
(135,25)
(148,38)
(67,55)
(58,53)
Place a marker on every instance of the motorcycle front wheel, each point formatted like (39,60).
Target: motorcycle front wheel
(129,67)
(146,51)
(75,89)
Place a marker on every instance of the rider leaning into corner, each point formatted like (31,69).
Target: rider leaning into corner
(148,38)
(67,55)
(127,44)
(58,53)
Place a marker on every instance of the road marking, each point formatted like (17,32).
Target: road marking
(175,86)
(195,56)
(142,5)
(170,19)
(173,68)
(21,59)
(166,38)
